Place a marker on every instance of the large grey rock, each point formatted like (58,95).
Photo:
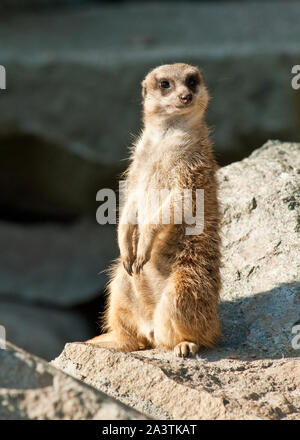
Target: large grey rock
(55,264)
(260,197)
(32,389)
(73,91)
(260,305)
(42,331)
(165,387)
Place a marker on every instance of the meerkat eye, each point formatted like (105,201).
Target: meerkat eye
(164,84)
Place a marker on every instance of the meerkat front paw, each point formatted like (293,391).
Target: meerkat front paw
(184,349)
(128,263)
(140,262)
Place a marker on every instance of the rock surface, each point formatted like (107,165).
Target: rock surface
(32,389)
(260,198)
(65,118)
(55,264)
(166,387)
(255,370)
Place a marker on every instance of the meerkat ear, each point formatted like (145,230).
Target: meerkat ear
(144,89)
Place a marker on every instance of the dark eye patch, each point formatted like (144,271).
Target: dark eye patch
(192,81)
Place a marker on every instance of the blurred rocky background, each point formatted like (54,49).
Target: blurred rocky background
(71,105)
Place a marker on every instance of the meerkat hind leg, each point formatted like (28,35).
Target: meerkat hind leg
(120,315)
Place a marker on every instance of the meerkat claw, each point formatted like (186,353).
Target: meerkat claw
(140,263)
(128,267)
(139,268)
(185,349)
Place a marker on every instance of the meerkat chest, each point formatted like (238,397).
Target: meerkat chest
(154,162)
(152,176)
(147,191)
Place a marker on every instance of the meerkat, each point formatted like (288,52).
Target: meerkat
(164,288)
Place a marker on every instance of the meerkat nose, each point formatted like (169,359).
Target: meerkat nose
(186,99)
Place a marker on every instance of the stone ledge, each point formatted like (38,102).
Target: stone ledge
(30,388)
(165,387)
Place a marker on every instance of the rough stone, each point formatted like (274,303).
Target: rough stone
(72,97)
(260,198)
(53,263)
(165,387)
(32,389)
(254,372)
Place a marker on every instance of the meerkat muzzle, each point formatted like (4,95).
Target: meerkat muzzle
(186,99)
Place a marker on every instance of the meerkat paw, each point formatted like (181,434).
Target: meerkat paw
(128,263)
(184,349)
(141,260)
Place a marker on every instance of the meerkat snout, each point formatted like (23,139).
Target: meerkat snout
(186,99)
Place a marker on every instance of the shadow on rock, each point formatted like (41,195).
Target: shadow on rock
(260,326)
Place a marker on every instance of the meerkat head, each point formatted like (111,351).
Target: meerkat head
(173,90)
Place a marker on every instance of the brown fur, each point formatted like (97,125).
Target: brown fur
(164,290)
